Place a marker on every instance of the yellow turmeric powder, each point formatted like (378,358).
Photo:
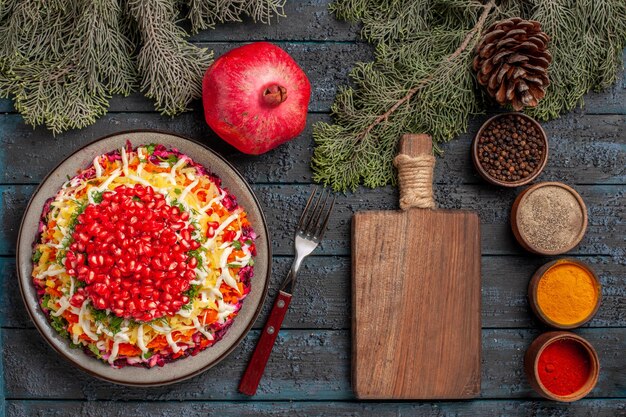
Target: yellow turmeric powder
(567,293)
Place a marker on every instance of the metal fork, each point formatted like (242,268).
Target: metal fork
(309,233)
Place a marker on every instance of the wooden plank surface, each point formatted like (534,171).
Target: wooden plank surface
(510,408)
(309,372)
(584,149)
(305,364)
(323,297)
(604,203)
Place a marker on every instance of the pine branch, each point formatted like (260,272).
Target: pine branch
(61,60)
(445,64)
(385,103)
(421,79)
(587,42)
(171,68)
(62,74)
(204,14)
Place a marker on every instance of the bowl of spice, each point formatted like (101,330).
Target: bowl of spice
(510,149)
(562,366)
(565,293)
(549,218)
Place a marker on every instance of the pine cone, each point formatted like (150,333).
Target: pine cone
(512,62)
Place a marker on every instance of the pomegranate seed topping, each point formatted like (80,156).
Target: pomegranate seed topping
(77,300)
(228,235)
(130,251)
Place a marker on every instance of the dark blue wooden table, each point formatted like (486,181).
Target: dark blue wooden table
(309,372)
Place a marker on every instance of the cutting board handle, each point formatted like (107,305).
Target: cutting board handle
(415,163)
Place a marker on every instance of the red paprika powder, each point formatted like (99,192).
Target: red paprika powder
(564,367)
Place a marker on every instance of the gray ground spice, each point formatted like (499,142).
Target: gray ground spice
(550,218)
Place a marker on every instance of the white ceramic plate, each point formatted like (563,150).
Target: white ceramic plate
(177,370)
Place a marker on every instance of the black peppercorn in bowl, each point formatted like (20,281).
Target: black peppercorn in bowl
(510,149)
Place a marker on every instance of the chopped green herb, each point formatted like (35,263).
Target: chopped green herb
(75,345)
(37,256)
(45,300)
(192,292)
(171,159)
(98,315)
(161,320)
(237,244)
(251,262)
(60,256)
(82,205)
(196,254)
(178,204)
(147,355)
(92,347)
(150,148)
(60,325)
(115,324)
(177,191)
(143,160)
(233,266)
(248,242)
(97,196)
(135,198)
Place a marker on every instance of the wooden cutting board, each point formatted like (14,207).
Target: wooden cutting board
(416,297)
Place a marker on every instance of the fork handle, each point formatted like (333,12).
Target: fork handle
(254,372)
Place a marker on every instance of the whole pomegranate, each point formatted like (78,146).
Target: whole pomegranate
(256,97)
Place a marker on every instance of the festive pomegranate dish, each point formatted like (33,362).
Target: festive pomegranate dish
(143,258)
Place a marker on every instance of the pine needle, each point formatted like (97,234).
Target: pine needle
(61,60)
(171,68)
(421,80)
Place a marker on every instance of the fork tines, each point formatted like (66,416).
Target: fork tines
(316,213)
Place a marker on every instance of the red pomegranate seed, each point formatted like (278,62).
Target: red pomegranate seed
(99,303)
(134,247)
(177,226)
(77,300)
(228,235)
